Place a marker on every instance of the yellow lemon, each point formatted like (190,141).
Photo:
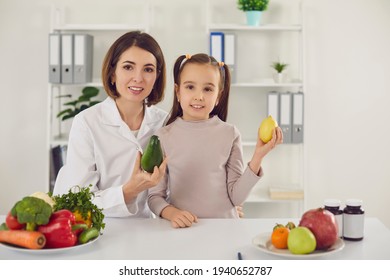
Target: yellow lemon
(266,128)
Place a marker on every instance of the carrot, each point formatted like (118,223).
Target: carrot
(23,238)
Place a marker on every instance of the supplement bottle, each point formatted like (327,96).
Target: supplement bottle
(353,220)
(333,206)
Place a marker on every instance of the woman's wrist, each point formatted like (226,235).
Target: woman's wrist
(128,192)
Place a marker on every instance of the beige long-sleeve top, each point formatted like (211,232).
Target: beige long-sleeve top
(205,173)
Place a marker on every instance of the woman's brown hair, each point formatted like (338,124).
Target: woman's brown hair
(221,110)
(123,43)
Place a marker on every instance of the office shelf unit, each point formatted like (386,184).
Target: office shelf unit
(256,47)
(58,93)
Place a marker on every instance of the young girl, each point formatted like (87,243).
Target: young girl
(205,174)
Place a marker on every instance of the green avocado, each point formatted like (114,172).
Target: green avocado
(153,155)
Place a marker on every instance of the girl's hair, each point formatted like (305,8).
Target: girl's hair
(221,110)
(123,43)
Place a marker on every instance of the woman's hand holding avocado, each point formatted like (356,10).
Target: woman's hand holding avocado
(141,180)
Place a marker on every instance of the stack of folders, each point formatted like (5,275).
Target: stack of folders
(285,193)
(287,109)
(70,58)
(223,48)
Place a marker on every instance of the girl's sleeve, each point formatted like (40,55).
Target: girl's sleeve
(158,195)
(240,181)
(80,170)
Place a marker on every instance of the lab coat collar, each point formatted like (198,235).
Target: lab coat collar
(110,116)
(110,113)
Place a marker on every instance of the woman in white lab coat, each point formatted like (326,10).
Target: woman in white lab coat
(106,140)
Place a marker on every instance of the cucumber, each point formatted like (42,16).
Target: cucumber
(153,155)
(88,234)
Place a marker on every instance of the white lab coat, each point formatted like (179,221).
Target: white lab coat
(102,151)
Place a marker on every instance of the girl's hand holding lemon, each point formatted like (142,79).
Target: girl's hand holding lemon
(267,128)
(269,135)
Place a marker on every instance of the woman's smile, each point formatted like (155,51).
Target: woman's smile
(196,106)
(135,90)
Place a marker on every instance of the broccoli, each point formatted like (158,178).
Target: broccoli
(32,211)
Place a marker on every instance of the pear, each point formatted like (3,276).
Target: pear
(267,126)
(290,225)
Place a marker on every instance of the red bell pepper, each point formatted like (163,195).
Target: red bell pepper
(58,231)
(12,222)
(64,213)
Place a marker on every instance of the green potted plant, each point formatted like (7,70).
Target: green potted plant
(81,103)
(253,10)
(279,68)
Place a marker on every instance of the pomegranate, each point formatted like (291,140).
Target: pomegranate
(323,225)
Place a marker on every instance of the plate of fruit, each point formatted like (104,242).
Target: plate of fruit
(316,235)
(41,224)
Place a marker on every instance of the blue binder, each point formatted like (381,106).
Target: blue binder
(217,45)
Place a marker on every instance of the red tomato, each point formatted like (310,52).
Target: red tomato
(12,222)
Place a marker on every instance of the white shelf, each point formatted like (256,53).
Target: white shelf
(249,143)
(263,196)
(253,143)
(59,140)
(265,27)
(90,84)
(100,27)
(267,84)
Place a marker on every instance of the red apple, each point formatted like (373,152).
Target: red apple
(323,225)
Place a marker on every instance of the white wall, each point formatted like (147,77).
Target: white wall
(347,97)
(347,105)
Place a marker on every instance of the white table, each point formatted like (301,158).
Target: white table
(209,239)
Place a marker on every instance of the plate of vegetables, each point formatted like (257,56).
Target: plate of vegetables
(43,224)
(35,240)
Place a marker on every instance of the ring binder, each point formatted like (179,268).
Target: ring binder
(54,58)
(67,58)
(273,105)
(230,55)
(297,118)
(217,45)
(285,116)
(83,55)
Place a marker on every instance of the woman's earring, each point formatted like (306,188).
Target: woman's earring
(112,83)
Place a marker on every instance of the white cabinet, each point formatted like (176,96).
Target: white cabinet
(278,38)
(104,34)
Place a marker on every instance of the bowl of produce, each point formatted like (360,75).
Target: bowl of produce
(42,223)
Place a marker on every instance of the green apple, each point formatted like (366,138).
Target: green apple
(301,241)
